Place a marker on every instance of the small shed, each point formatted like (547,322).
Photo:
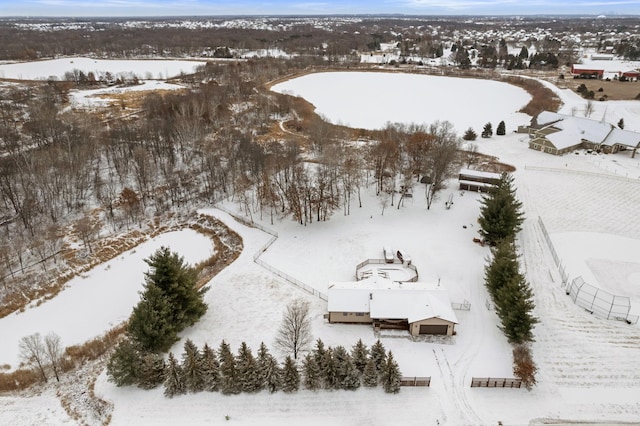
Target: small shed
(476,180)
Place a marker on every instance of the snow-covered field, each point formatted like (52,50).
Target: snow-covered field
(101,97)
(588,366)
(371,100)
(144,69)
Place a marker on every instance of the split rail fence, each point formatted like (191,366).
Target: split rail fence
(493,382)
(416,381)
(270,268)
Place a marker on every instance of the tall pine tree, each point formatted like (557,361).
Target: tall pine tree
(503,267)
(501,213)
(150,323)
(174,378)
(248,372)
(360,355)
(229,377)
(192,367)
(177,281)
(210,369)
(290,375)
(390,376)
(514,306)
(370,375)
(311,373)
(378,355)
(329,370)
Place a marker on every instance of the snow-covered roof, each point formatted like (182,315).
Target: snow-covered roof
(479,174)
(573,129)
(384,298)
(622,137)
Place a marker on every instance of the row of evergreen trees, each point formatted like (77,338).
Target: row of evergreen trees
(322,368)
(500,219)
(487,131)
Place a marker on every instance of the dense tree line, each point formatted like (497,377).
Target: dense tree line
(500,219)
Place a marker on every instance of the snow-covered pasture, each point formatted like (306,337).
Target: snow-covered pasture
(370,100)
(56,68)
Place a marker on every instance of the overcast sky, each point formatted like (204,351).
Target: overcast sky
(76,8)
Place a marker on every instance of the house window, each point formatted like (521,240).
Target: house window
(345,314)
(359,314)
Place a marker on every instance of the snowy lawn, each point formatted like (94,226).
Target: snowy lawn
(99,299)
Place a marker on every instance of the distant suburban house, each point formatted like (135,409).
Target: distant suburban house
(419,308)
(558,134)
(613,70)
(475,180)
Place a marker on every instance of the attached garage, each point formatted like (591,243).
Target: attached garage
(434,329)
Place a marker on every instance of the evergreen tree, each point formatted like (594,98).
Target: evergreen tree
(312,377)
(370,375)
(503,267)
(229,378)
(501,213)
(192,368)
(290,375)
(150,323)
(390,376)
(210,369)
(247,369)
(340,357)
(470,135)
(378,354)
(123,366)
(169,303)
(272,374)
(524,53)
(514,306)
(350,375)
(501,130)
(487,131)
(360,355)
(330,371)
(319,354)
(621,123)
(174,378)
(177,281)
(151,370)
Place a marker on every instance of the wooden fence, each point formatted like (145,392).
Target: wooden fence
(493,382)
(416,381)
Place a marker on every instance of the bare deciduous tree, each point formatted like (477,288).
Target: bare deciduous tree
(53,352)
(33,352)
(294,333)
(589,108)
(443,152)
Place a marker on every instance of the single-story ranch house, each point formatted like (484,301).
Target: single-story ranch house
(558,134)
(419,308)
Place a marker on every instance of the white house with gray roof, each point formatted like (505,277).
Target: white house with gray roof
(420,308)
